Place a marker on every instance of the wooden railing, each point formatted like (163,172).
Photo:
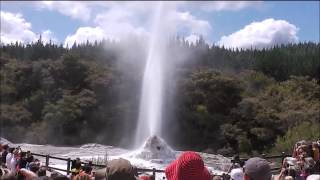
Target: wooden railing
(69,161)
(154,171)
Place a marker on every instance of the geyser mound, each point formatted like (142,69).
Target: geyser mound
(155,149)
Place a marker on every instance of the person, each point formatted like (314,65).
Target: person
(26,174)
(316,153)
(188,166)
(22,163)
(9,176)
(42,171)
(30,157)
(117,169)
(4,171)
(84,173)
(82,176)
(257,168)
(4,154)
(13,161)
(9,156)
(34,167)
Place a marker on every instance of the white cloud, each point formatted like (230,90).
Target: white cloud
(185,20)
(76,10)
(229,5)
(262,34)
(86,33)
(211,6)
(15,28)
(134,17)
(119,22)
(137,18)
(48,35)
(192,38)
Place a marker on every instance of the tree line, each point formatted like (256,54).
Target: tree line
(216,99)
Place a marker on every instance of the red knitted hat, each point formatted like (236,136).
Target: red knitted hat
(144,178)
(189,166)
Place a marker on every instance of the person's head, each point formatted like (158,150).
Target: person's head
(188,166)
(43,178)
(217,178)
(117,169)
(257,169)
(5,147)
(9,176)
(288,178)
(236,174)
(34,167)
(11,150)
(60,177)
(23,154)
(313,177)
(28,153)
(87,169)
(42,171)
(83,177)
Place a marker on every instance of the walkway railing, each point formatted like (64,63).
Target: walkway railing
(154,171)
(69,161)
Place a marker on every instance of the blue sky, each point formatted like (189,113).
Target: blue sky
(220,22)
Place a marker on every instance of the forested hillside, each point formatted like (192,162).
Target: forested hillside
(216,99)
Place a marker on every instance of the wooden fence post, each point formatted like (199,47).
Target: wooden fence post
(154,172)
(47,161)
(283,156)
(68,166)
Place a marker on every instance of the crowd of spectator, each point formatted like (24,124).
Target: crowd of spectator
(304,164)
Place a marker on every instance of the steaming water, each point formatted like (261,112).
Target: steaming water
(155,153)
(149,122)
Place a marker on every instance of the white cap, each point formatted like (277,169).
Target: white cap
(236,174)
(313,177)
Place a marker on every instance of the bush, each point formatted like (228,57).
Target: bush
(304,131)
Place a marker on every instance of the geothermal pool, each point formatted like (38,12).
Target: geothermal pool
(155,153)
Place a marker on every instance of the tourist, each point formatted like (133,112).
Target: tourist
(257,169)
(30,157)
(34,167)
(117,169)
(22,163)
(4,154)
(188,166)
(9,156)
(82,176)
(9,176)
(87,169)
(13,161)
(76,165)
(26,174)
(217,178)
(42,171)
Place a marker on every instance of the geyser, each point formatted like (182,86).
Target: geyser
(155,148)
(149,122)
